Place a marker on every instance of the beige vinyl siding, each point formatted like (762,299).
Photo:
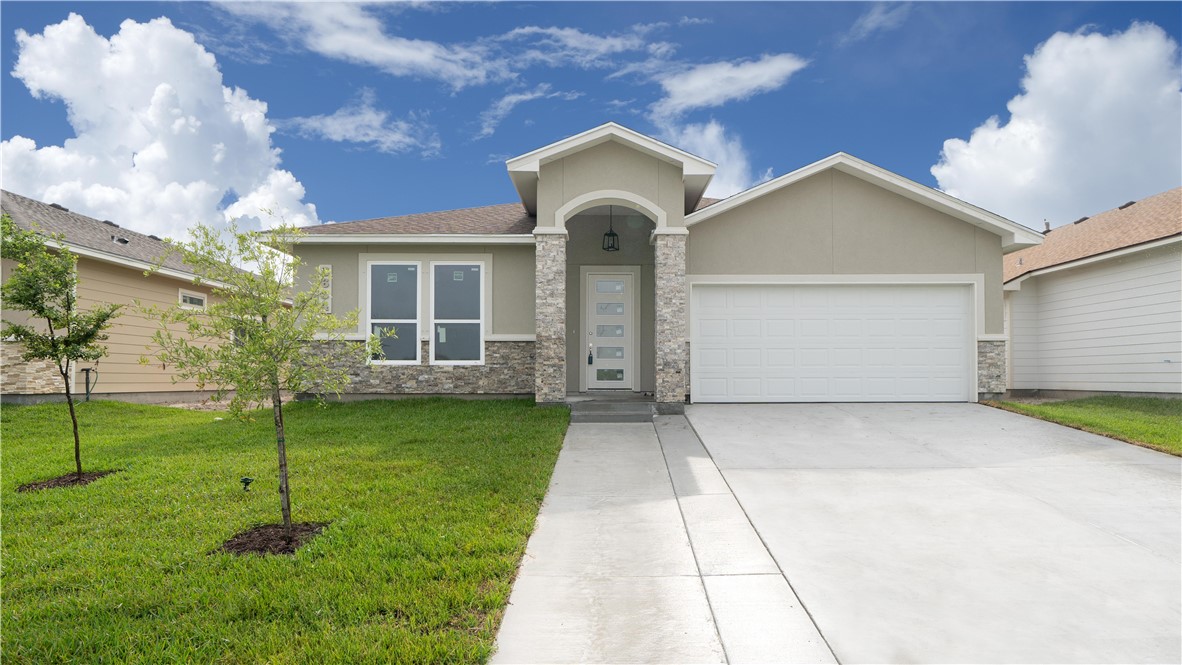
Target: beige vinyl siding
(1113,325)
(131,333)
(834,223)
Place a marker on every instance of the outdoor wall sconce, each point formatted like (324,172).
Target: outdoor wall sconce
(611,239)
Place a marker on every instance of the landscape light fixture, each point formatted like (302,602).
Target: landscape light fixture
(611,239)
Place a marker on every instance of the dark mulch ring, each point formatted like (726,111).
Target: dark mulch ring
(68,480)
(270,539)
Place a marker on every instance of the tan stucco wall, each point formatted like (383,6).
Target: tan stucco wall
(610,166)
(130,335)
(834,223)
(585,248)
(511,289)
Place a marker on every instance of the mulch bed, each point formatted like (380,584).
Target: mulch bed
(269,539)
(68,480)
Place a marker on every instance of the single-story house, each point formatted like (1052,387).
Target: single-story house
(840,281)
(111,265)
(1098,305)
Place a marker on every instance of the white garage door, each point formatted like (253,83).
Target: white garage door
(831,343)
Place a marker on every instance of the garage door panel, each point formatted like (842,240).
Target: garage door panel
(787,343)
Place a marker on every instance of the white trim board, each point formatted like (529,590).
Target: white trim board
(417,239)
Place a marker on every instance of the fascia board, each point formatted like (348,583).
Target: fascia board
(414,239)
(126,262)
(531,162)
(1015,284)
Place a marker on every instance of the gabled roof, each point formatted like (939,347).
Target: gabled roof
(523,170)
(1135,223)
(88,236)
(1014,236)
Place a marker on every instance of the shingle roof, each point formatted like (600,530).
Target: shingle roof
(87,232)
(1153,218)
(504,218)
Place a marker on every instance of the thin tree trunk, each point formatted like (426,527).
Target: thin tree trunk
(284,494)
(74,418)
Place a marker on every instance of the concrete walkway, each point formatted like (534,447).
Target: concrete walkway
(642,555)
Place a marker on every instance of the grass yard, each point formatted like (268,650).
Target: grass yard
(1147,421)
(430,502)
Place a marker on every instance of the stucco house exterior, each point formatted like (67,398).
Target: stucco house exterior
(111,265)
(839,281)
(1098,306)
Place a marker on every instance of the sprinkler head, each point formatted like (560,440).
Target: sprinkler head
(246,481)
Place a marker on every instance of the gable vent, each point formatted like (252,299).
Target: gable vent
(1081,219)
(1126,205)
(119,240)
(153,237)
(110,223)
(59,207)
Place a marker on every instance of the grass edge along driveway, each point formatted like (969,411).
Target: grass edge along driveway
(1152,422)
(430,503)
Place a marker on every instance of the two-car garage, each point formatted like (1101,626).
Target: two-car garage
(757,342)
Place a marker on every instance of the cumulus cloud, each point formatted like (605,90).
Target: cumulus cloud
(716,83)
(491,118)
(160,142)
(364,124)
(1098,123)
(712,141)
(353,33)
(881,17)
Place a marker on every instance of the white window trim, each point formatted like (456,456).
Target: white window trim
(370,321)
(328,287)
(431,330)
(180,298)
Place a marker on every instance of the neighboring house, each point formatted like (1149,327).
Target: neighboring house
(840,281)
(111,265)
(1098,306)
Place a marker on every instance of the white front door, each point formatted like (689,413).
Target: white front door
(610,330)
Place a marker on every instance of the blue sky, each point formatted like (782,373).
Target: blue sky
(392,109)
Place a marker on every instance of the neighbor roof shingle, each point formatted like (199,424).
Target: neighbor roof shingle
(1152,218)
(87,232)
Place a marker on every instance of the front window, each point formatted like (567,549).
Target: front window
(457,313)
(394,303)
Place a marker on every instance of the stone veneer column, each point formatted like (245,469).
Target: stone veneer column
(991,367)
(550,318)
(669,257)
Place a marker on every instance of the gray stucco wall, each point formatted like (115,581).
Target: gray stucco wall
(834,223)
(511,267)
(610,166)
(585,248)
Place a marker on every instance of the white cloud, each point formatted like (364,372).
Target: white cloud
(362,122)
(712,141)
(352,33)
(717,83)
(691,20)
(491,118)
(159,141)
(1099,122)
(881,17)
(557,46)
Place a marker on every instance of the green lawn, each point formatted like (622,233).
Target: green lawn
(1147,421)
(430,504)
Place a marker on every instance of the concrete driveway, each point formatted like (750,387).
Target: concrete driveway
(960,533)
(850,533)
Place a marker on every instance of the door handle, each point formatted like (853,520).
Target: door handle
(590,356)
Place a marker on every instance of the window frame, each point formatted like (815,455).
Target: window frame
(418,321)
(482,321)
(180,299)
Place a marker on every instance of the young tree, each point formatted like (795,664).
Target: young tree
(254,338)
(44,283)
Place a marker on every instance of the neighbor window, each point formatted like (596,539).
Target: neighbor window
(457,314)
(394,303)
(192,300)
